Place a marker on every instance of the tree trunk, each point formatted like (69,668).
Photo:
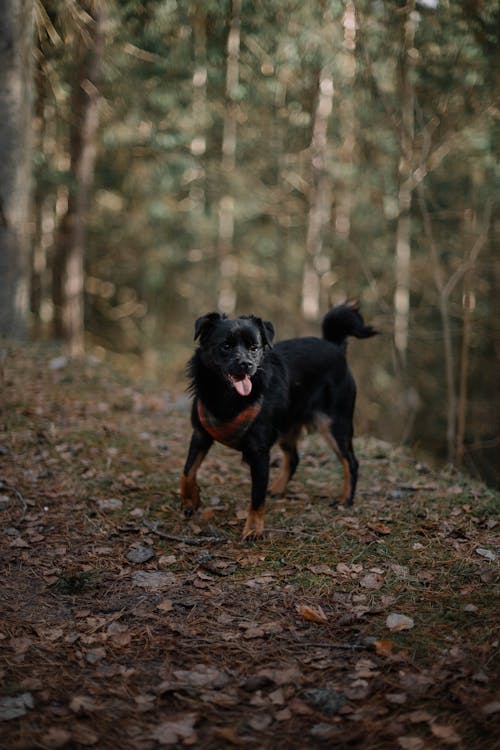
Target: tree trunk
(16,56)
(344,198)
(228,262)
(68,279)
(319,202)
(403,232)
(199,109)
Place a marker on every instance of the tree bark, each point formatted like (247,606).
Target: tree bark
(68,278)
(228,262)
(319,201)
(16,103)
(403,232)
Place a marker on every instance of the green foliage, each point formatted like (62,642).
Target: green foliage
(160,175)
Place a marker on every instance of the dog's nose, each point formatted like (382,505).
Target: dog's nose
(244,367)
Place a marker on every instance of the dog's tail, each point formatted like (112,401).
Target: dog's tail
(343,321)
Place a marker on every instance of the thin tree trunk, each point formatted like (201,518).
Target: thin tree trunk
(403,232)
(199,108)
(68,280)
(16,55)
(319,200)
(347,124)
(468,305)
(228,262)
(449,362)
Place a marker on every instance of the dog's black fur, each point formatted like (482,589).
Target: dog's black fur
(249,394)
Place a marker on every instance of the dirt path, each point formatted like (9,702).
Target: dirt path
(123,626)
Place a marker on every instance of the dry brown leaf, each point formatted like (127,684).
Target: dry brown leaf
(396,622)
(181,729)
(228,734)
(409,742)
(84,735)
(383,647)
(56,737)
(446,734)
(311,613)
(260,721)
(82,704)
(372,581)
(379,528)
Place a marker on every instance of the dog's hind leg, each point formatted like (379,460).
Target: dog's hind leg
(288,444)
(338,435)
(190,492)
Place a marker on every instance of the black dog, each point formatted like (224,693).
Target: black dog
(247,394)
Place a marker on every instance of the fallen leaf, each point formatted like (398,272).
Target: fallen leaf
(13,706)
(202,677)
(487,553)
(19,542)
(380,528)
(313,614)
(325,699)
(409,742)
(20,645)
(56,737)
(110,504)
(228,734)
(84,735)
(491,708)
(170,732)
(446,734)
(372,581)
(397,698)
(82,704)
(260,722)
(166,605)
(138,553)
(396,622)
(383,647)
(154,579)
(95,655)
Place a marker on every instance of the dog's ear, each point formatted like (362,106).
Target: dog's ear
(204,324)
(266,329)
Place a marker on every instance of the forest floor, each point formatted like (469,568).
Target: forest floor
(124,626)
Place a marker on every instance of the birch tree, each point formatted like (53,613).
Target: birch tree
(228,262)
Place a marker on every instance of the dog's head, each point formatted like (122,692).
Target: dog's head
(234,347)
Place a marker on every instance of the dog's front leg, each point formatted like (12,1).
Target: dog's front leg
(259,471)
(190,492)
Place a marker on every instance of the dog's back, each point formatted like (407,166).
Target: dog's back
(322,392)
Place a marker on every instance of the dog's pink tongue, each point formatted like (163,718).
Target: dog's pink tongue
(243,386)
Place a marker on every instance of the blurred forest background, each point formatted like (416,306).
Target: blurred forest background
(163,158)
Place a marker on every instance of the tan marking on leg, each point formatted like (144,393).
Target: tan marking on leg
(279,485)
(190,491)
(323,425)
(346,491)
(254,525)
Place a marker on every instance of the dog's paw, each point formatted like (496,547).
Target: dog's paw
(190,497)
(254,525)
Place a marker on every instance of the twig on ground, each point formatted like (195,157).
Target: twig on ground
(344,646)
(184,539)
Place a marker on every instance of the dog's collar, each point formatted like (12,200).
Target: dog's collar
(229,433)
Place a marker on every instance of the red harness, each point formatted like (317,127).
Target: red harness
(229,433)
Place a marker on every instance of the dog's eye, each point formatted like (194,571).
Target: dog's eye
(254,348)
(226,346)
